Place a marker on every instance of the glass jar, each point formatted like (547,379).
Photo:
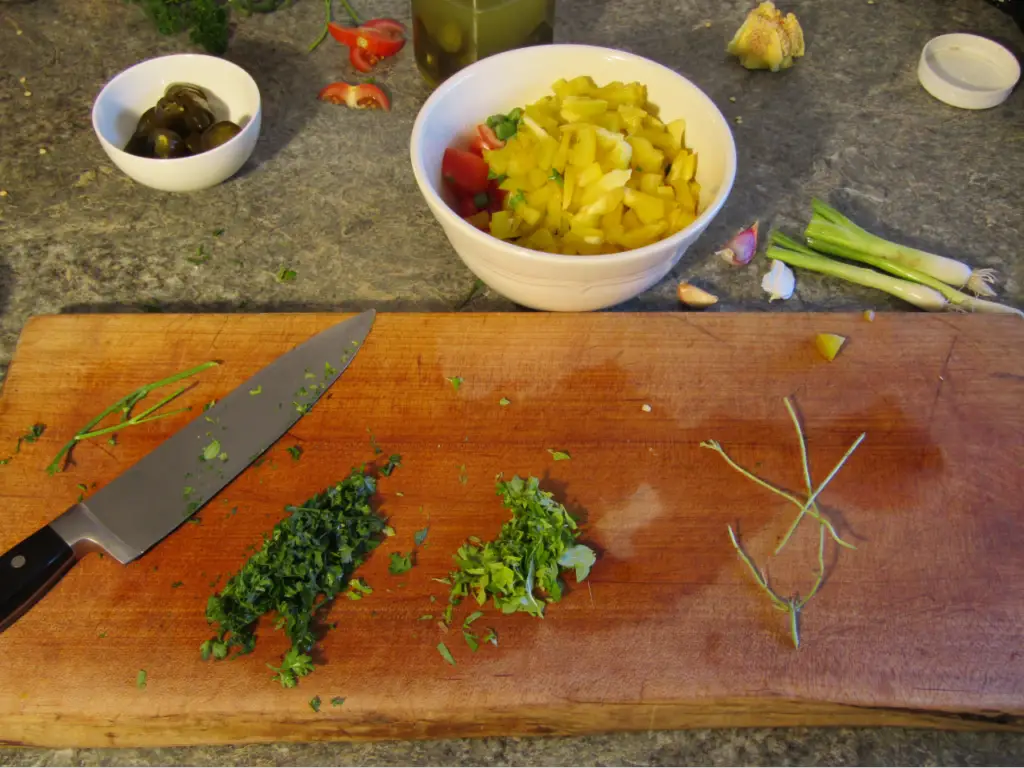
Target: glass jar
(451,34)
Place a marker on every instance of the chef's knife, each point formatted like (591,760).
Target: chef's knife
(156,495)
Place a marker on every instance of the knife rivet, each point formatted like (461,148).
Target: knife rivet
(17,561)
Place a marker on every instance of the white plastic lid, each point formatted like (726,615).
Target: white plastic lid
(967,71)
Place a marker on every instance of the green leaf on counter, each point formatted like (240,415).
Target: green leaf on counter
(559,455)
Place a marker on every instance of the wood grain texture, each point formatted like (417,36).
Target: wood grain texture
(923,624)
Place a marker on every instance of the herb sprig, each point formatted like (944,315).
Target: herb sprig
(125,406)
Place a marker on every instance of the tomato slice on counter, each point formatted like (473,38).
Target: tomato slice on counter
(377,37)
(464,171)
(362,60)
(365,96)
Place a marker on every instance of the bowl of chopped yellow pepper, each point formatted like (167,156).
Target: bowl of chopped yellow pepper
(571,177)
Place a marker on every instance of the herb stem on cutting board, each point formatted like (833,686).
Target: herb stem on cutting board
(125,406)
(792,606)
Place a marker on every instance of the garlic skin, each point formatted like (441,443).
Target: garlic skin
(692,296)
(767,40)
(740,250)
(779,282)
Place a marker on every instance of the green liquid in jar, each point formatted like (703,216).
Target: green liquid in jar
(451,34)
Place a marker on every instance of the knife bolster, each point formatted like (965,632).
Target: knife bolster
(84,534)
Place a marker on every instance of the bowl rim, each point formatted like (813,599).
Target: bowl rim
(176,161)
(543,257)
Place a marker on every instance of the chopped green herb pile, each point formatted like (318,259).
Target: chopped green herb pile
(303,564)
(520,569)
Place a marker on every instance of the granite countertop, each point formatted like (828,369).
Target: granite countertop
(329,194)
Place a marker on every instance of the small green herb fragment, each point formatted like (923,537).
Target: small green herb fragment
(463,476)
(286,275)
(32,435)
(471,618)
(314,703)
(200,258)
(455,381)
(420,536)
(188,491)
(102,635)
(426,617)
(377,450)
(293,666)
(491,637)
(218,231)
(556,176)
(517,199)
(399,563)
(579,557)
(330,370)
(471,640)
(358,585)
(176,584)
(140,679)
(337,701)
(559,455)
(211,451)
(389,531)
(504,401)
(82,487)
(295,451)
(209,405)
(256,391)
(394,461)
(445,653)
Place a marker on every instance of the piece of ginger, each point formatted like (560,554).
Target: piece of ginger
(767,39)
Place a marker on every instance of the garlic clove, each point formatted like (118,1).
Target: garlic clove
(741,248)
(692,296)
(778,282)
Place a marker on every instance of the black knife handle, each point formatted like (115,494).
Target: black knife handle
(29,569)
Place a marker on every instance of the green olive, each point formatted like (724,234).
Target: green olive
(194,143)
(167,143)
(219,133)
(170,115)
(139,145)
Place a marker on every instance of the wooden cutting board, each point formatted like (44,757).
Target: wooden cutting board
(923,624)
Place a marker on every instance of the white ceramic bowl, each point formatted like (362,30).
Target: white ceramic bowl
(232,93)
(552,281)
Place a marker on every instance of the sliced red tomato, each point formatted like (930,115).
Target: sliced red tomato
(379,37)
(497,196)
(488,137)
(365,96)
(476,146)
(465,205)
(464,171)
(362,60)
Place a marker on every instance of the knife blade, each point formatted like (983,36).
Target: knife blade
(161,491)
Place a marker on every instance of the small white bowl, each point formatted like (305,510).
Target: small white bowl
(555,282)
(232,93)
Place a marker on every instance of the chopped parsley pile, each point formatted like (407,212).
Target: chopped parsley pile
(520,570)
(304,563)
